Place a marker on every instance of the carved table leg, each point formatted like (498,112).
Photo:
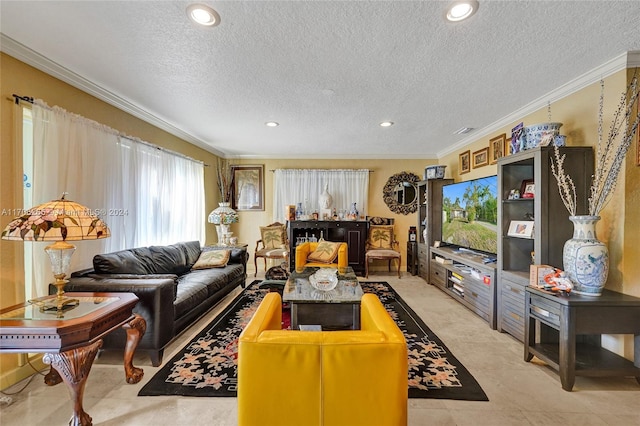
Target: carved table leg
(53,377)
(135,329)
(74,366)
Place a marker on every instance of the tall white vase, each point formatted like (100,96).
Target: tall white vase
(585,259)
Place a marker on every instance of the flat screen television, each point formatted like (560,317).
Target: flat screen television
(470,214)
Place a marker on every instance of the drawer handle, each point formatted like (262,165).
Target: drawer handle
(515,290)
(540,311)
(474,294)
(515,316)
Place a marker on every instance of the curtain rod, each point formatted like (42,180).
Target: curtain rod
(29,99)
(19,98)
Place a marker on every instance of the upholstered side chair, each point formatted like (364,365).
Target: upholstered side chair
(381,243)
(273,237)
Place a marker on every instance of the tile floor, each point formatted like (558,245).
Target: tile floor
(519,393)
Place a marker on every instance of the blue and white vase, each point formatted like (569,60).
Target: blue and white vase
(585,259)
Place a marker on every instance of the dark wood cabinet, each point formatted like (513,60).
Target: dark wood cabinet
(570,329)
(412,257)
(352,232)
(429,220)
(551,225)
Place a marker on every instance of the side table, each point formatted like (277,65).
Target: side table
(570,329)
(71,338)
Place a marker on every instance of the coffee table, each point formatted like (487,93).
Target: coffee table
(337,309)
(70,338)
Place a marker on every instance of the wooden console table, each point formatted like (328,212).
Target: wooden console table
(570,329)
(70,339)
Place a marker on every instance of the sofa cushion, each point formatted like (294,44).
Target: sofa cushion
(213,279)
(133,261)
(189,294)
(192,251)
(325,252)
(212,259)
(169,260)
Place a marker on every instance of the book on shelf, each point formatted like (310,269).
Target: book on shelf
(458,287)
(459,292)
(443,260)
(455,280)
(456,275)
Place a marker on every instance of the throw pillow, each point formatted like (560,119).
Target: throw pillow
(380,236)
(212,259)
(325,252)
(272,236)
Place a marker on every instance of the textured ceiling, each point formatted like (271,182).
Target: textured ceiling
(328,72)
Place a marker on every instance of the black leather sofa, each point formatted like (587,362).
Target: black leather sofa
(172,295)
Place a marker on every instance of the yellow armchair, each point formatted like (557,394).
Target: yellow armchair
(351,377)
(305,249)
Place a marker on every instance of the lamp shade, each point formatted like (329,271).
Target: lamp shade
(58,220)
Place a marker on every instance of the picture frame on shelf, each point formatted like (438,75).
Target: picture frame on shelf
(248,187)
(521,229)
(464,162)
(497,147)
(480,157)
(527,189)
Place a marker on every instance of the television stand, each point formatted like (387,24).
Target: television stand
(466,276)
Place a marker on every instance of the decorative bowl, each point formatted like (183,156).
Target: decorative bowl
(324,279)
(533,134)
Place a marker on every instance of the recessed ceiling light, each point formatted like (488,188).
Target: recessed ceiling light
(386,124)
(461,10)
(203,15)
(271,124)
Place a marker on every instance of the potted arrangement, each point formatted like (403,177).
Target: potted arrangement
(585,258)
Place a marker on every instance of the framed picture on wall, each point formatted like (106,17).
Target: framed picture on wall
(248,187)
(480,158)
(464,162)
(497,147)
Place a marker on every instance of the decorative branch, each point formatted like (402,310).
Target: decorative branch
(225,179)
(610,154)
(565,183)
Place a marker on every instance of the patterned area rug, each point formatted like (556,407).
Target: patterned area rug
(207,365)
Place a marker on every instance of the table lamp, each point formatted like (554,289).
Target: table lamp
(59,221)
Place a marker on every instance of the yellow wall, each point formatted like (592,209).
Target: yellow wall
(21,79)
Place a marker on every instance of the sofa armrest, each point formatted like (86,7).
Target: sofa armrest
(155,301)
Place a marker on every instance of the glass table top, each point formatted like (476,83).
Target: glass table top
(33,311)
(299,289)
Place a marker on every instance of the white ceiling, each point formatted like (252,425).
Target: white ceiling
(328,71)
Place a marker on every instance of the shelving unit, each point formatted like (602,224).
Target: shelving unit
(467,277)
(429,218)
(551,223)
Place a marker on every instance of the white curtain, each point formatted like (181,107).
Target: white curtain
(293,186)
(144,194)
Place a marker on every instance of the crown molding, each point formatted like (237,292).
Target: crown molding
(625,60)
(36,60)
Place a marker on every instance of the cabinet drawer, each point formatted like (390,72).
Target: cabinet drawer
(544,310)
(438,274)
(423,251)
